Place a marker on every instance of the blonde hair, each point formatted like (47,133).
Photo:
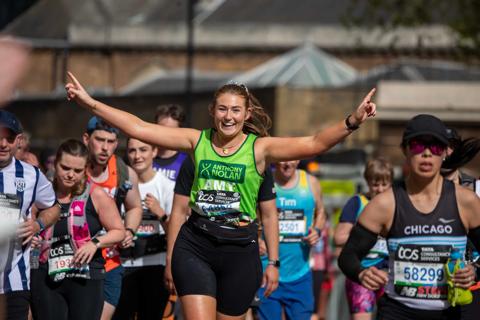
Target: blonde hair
(378,169)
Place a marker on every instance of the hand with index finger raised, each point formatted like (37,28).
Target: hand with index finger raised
(76,92)
(366,109)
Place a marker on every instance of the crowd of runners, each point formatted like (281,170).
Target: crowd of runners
(222,224)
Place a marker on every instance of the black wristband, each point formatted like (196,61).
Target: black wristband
(131,231)
(164,217)
(350,126)
(96,242)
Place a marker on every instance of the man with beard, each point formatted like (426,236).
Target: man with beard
(121,183)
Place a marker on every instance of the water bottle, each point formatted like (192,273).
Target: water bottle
(456,295)
(35,258)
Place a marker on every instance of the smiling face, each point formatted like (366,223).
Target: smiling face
(140,155)
(425,155)
(8,146)
(229,114)
(70,170)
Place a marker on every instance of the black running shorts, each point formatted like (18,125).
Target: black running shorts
(230,273)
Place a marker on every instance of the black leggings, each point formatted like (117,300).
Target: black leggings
(72,299)
(17,305)
(472,311)
(230,273)
(143,294)
(390,309)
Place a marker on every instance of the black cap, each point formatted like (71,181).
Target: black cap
(425,125)
(9,120)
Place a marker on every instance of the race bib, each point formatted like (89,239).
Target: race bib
(10,207)
(419,271)
(60,262)
(217,202)
(292,225)
(148,228)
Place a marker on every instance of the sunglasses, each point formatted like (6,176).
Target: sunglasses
(418,146)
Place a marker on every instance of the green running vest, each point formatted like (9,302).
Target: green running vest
(225,186)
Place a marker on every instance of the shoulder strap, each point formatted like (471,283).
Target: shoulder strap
(362,201)
(76,223)
(77,219)
(303,180)
(122,170)
(123,182)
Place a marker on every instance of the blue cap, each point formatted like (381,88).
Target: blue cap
(9,120)
(96,123)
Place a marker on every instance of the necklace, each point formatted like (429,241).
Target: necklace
(226,150)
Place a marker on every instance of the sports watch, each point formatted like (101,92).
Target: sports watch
(275,263)
(96,242)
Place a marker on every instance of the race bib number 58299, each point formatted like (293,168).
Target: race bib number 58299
(419,271)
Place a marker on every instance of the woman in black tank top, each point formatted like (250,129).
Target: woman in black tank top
(68,283)
(425,213)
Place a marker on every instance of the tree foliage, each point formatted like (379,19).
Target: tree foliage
(461,16)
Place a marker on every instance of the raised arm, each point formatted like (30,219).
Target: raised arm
(169,138)
(274,149)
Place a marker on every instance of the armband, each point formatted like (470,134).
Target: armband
(358,245)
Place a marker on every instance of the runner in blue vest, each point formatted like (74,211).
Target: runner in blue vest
(301,218)
(379,176)
(230,160)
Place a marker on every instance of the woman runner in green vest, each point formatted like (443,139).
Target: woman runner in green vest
(215,263)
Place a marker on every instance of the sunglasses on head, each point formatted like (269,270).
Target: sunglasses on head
(417,146)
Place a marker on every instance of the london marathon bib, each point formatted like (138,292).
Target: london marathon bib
(216,202)
(419,271)
(10,207)
(292,225)
(149,226)
(60,262)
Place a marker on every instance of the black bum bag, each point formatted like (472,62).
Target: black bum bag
(225,234)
